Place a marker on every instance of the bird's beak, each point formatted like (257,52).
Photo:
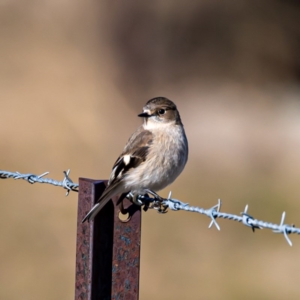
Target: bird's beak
(144,115)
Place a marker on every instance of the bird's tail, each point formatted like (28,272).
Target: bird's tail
(95,210)
(108,193)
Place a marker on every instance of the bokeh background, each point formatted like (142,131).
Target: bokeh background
(73,77)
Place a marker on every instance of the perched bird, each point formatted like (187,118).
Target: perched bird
(153,157)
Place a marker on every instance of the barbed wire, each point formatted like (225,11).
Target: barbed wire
(214,212)
(162,204)
(66,183)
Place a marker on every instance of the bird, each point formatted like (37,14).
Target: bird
(154,156)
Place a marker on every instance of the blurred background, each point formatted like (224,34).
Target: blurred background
(73,77)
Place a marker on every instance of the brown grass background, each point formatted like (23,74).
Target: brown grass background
(73,77)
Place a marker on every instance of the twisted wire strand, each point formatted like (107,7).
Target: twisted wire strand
(66,183)
(214,212)
(162,204)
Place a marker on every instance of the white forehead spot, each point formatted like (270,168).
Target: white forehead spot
(126,159)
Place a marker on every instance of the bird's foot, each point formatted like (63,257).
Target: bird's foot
(155,195)
(153,202)
(157,202)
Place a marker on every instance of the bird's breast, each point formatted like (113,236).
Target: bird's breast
(166,159)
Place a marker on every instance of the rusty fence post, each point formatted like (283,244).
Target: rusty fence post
(108,250)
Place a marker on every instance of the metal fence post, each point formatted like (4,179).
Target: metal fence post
(108,250)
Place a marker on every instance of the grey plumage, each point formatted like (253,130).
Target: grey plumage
(152,158)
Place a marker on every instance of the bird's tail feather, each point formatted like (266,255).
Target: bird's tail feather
(108,193)
(95,210)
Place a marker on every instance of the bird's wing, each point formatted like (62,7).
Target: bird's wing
(134,154)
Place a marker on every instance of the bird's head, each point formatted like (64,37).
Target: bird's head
(160,111)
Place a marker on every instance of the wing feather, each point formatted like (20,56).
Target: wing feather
(134,154)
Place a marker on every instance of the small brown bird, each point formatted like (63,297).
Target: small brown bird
(153,157)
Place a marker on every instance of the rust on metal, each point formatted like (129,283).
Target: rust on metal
(108,250)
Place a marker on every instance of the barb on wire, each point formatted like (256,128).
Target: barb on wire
(163,204)
(66,183)
(214,212)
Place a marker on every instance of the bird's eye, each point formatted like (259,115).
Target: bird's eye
(161,111)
